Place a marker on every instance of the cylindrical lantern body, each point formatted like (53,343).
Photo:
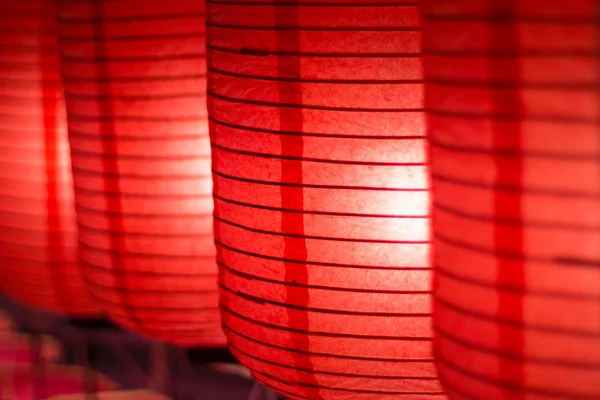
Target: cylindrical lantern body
(513,109)
(321,196)
(135,88)
(38,233)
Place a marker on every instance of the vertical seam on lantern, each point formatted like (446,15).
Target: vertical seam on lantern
(292,197)
(110,164)
(55,245)
(509,171)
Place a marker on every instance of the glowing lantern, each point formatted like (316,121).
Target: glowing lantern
(134,75)
(321,198)
(513,108)
(38,236)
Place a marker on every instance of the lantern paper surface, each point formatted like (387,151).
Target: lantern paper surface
(513,109)
(38,233)
(321,198)
(135,88)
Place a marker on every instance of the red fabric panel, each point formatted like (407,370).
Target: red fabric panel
(321,198)
(513,110)
(38,233)
(135,82)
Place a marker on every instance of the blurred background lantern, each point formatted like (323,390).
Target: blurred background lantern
(22,348)
(38,233)
(7,324)
(21,382)
(134,75)
(513,109)
(117,395)
(321,196)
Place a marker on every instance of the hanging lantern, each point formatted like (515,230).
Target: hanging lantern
(321,196)
(513,111)
(38,236)
(135,89)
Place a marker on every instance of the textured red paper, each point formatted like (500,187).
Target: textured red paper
(321,199)
(135,88)
(38,236)
(513,107)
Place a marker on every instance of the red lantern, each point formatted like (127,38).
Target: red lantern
(38,233)
(321,198)
(513,107)
(134,74)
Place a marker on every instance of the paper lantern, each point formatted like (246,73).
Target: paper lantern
(321,197)
(513,107)
(38,236)
(135,87)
